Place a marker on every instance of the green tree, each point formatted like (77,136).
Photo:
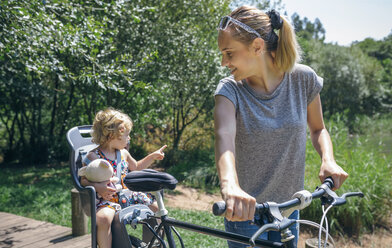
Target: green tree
(381,52)
(351,79)
(62,61)
(58,64)
(307,30)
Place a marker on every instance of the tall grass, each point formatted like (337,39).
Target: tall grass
(370,171)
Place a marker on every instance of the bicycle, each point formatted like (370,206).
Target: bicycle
(150,180)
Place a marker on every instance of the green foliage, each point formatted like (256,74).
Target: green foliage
(306,30)
(381,51)
(59,63)
(197,169)
(62,61)
(263,4)
(347,69)
(184,35)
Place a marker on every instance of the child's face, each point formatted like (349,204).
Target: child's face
(122,141)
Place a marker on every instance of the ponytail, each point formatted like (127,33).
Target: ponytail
(288,51)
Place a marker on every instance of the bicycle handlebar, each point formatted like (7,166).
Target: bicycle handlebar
(219,208)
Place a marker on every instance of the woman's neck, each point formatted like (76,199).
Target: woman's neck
(267,78)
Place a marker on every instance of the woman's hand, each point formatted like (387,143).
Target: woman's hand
(240,206)
(159,154)
(331,169)
(105,191)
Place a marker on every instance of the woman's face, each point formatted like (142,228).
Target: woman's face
(236,56)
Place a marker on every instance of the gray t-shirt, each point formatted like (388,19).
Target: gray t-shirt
(270,141)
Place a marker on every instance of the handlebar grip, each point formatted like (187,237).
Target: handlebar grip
(350,194)
(219,208)
(329,182)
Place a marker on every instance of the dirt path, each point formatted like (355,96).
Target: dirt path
(192,199)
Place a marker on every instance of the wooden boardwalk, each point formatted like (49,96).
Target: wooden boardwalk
(17,231)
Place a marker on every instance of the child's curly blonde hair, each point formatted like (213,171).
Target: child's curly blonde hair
(108,124)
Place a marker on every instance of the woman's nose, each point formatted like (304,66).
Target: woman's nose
(224,61)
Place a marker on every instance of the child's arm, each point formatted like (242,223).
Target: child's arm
(146,161)
(101,188)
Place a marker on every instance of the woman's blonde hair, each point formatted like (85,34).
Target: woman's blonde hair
(108,124)
(285,46)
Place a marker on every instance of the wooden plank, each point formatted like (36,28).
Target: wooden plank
(22,224)
(42,233)
(4,215)
(21,232)
(81,241)
(46,240)
(10,220)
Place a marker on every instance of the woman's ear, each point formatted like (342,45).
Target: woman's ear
(258,46)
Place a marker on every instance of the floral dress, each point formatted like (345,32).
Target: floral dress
(132,196)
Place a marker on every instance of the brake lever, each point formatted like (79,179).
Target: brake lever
(331,198)
(276,226)
(265,228)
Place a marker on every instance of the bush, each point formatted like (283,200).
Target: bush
(197,169)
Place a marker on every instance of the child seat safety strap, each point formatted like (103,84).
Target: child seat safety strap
(118,163)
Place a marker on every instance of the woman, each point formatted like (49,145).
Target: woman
(261,114)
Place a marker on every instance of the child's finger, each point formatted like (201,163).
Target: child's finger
(162,148)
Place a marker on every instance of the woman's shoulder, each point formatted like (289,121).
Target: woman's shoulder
(230,80)
(303,70)
(229,83)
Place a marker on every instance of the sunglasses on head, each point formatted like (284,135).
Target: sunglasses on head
(225,21)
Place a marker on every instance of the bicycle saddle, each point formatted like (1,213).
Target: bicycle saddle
(148,180)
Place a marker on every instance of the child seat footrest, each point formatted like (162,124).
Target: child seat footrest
(149,180)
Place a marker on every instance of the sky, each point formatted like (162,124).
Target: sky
(346,21)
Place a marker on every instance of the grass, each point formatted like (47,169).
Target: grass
(38,193)
(193,239)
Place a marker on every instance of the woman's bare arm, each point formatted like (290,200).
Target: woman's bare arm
(323,145)
(239,205)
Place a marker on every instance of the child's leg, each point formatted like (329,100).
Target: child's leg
(104,221)
(154,207)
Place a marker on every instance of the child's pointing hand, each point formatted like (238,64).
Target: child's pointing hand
(159,154)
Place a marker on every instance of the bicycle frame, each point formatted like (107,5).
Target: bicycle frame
(168,224)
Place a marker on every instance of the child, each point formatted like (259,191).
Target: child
(110,131)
